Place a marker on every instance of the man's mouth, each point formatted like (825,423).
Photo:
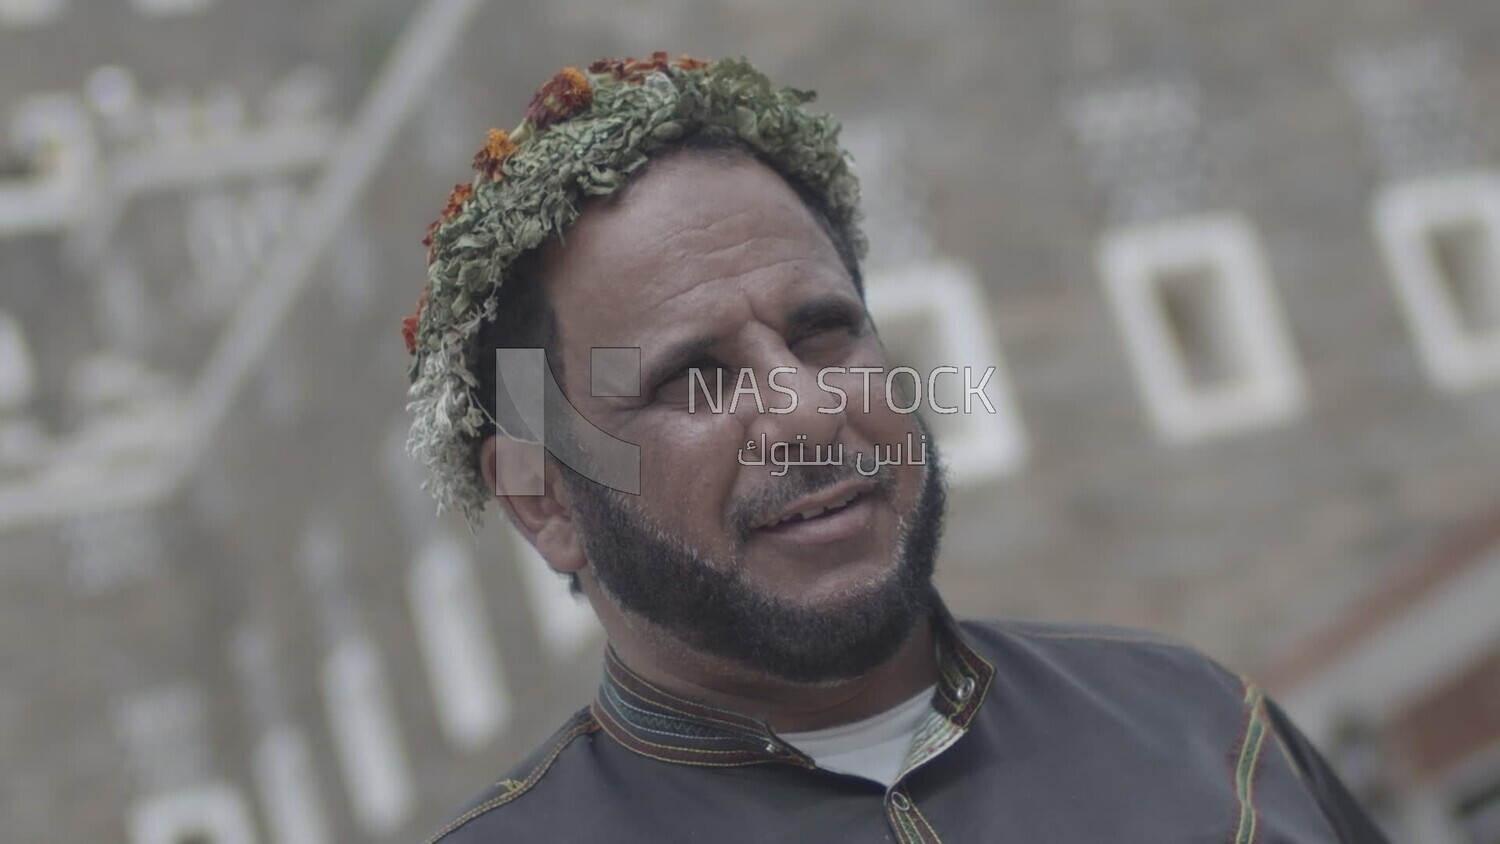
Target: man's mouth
(835,504)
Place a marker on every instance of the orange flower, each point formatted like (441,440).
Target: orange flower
(497,148)
(687,62)
(560,98)
(611,67)
(631,70)
(639,69)
(462,192)
(410,323)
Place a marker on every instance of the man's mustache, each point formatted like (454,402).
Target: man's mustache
(776,494)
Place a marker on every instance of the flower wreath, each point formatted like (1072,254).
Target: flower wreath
(583,135)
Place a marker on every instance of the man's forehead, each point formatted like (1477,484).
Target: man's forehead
(679,238)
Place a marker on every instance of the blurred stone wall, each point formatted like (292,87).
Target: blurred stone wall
(226,607)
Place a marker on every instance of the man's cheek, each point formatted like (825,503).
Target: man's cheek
(657,477)
(676,476)
(860,390)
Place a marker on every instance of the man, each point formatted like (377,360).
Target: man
(780,667)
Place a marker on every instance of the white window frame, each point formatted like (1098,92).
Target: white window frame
(1269,391)
(290,793)
(216,811)
(168,8)
(362,718)
(17,374)
(977,446)
(565,624)
(1404,216)
(51,199)
(27,13)
(457,645)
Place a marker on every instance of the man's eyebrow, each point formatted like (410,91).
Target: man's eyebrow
(823,309)
(806,315)
(675,357)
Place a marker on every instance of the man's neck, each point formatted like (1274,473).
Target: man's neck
(786,706)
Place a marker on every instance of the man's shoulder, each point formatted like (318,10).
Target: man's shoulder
(475,821)
(1090,654)
(1069,634)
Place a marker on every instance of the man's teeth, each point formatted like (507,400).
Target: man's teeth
(816,511)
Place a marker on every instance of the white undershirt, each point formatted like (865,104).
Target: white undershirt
(873,748)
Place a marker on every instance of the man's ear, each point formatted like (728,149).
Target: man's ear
(535,498)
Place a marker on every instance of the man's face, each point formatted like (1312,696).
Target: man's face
(719,265)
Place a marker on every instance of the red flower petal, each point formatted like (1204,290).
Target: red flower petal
(497,148)
(410,324)
(565,94)
(409,333)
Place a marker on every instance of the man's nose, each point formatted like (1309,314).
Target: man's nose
(796,408)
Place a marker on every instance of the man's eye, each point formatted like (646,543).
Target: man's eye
(835,323)
(826,335)
(674,389)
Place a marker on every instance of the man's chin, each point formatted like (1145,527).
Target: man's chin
(838,635)
(850,584)
(799,618)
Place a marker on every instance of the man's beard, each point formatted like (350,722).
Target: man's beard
(713,607)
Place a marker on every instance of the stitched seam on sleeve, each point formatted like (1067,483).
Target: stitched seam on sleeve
(532,779)
(1247,763)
